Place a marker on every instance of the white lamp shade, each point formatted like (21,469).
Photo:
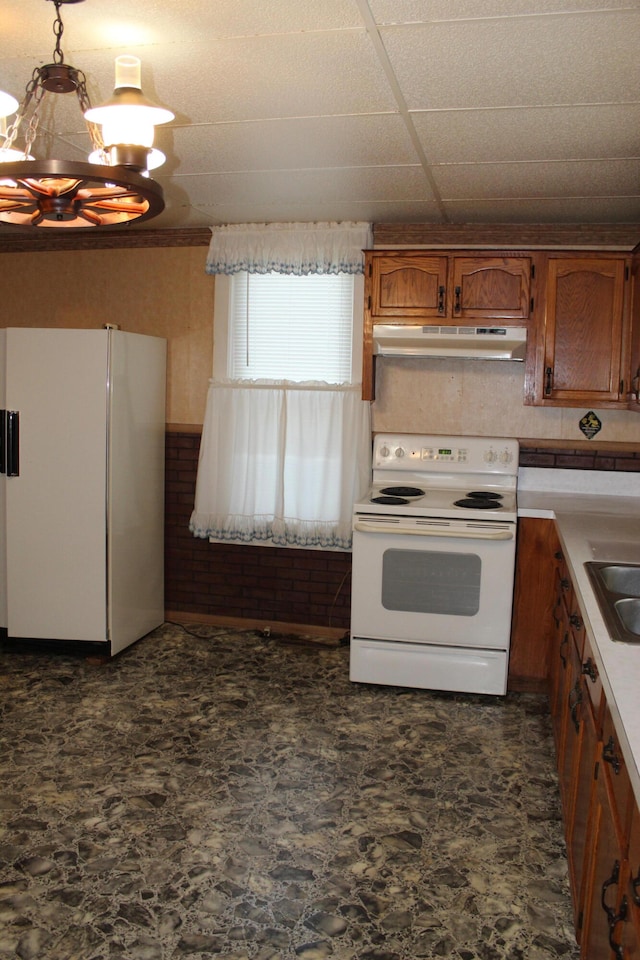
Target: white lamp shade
(8,104)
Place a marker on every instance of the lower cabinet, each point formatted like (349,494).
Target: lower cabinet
(601,818)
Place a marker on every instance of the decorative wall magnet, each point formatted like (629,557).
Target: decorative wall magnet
(590,425)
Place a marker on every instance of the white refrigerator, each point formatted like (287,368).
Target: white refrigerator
(82,424)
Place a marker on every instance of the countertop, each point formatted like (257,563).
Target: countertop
(597,516)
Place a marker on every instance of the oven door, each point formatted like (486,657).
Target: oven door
(424,581)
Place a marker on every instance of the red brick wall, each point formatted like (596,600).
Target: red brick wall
(254,583)
(620,460)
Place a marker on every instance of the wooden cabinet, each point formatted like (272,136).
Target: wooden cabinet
(605,906)
(601,818)
(581,352)
(532,628)
(423,287)
(630,904)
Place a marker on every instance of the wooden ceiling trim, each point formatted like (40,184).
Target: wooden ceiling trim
(623,236)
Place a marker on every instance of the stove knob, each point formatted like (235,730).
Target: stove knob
(490,456)
(384,451)
(399,452)
(506,456)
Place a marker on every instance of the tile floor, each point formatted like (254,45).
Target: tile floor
(224,795)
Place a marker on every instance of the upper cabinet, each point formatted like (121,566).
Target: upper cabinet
(419,287)
(579,351)
(439,288)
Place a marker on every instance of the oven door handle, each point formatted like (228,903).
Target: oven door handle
(363,527)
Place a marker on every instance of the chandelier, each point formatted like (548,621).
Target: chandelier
(113,187)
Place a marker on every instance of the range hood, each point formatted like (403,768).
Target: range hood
(471,343)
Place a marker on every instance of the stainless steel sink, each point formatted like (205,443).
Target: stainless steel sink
(617,589)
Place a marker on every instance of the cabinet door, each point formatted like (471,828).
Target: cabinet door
(631,908)
(584,331)
(604,908)
(533,604)
(491,288)
(408,287)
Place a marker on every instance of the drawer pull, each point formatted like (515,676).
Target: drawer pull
(576,621)
(614,920)
(611,881)
(610,756)
(576,696)
(590,670)
(635,885)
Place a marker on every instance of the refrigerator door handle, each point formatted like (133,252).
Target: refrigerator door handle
(3,441)
(13,443)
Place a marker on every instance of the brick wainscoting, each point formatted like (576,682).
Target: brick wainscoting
(230,582)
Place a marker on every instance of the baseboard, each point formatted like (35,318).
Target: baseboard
(239,623)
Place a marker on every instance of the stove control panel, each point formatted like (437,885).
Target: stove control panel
(454,454)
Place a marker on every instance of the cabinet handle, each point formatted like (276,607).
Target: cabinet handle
(565,584)
(590,670)
(576,621)
(548,380)
(565,641)
(614,920)
(573,707)
(635,384)
(610,756)
(556,611)
(559,555)
(441,300)
(611,881)
(458,306)
(635,884)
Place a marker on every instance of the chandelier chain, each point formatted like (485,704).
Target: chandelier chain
(58,30)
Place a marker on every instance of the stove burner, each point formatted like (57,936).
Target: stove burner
(484,495)
(391,501)
(403,491)
(488,503)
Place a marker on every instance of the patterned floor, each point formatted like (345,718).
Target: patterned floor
(228,795)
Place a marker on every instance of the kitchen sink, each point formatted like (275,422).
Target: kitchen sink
(617,589)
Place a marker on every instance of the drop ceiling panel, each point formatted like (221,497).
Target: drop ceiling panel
(416,11)
(584,178)
(525,61)
(378,184)
(371,140)
(304,75)
(530,133)
(238,211)
(577,210)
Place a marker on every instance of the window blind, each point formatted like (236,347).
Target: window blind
(287,327)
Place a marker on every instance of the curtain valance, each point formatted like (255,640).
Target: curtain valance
(294,248)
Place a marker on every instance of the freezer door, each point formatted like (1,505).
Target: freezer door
(56,508)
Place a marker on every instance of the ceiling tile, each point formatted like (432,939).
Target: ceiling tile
(517,61)
(585,178)
(530,133)
(371,140)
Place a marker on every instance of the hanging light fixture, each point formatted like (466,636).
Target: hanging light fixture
(62,194)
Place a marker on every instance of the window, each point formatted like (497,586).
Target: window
(286,441)
(284,327)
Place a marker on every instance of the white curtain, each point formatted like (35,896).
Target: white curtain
(298,248)
(282,462)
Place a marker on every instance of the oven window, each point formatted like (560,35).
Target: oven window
(431,582)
